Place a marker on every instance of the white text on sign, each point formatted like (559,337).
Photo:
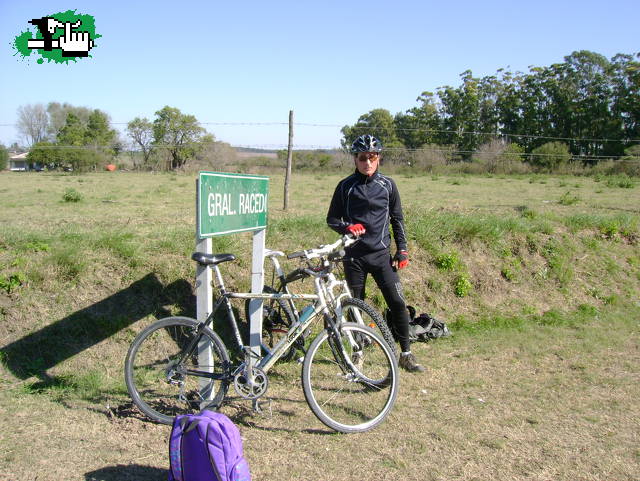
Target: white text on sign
(223,204)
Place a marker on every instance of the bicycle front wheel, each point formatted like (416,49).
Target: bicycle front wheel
(340,378)
(162,385)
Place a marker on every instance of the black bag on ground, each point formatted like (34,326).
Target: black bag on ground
(421,328)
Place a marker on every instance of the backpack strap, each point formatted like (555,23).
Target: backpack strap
(192,425)
(175,448)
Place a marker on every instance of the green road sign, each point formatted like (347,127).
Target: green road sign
(229,203)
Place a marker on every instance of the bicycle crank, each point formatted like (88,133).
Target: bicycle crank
(251,390)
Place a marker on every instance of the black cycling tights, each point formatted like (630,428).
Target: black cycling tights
(378,264)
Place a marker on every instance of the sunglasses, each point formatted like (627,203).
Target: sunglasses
(368,156)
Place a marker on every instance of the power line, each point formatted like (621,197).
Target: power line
(423,130)
(495,134)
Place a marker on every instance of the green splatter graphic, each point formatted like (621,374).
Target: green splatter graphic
(20,44)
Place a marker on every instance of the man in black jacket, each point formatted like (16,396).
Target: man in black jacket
(364,204)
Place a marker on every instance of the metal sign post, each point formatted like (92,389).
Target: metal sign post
(204,303)
(227,204)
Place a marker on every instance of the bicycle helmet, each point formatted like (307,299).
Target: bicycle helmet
(366,143)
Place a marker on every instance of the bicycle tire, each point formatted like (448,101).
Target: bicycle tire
(337,391)
(159,386)
(371,319)
(277,317)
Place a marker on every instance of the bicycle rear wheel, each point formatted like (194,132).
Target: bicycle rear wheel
(358,311)
(277,318)
(162,386)
(341,382)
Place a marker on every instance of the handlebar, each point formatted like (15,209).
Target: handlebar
(333,251)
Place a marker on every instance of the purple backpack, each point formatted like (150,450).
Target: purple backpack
(206,447)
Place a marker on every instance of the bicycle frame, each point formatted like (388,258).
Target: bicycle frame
(325,299)
(329,286)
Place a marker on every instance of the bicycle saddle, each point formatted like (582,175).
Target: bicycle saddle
(211,259)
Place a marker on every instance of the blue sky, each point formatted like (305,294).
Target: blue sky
(251,62)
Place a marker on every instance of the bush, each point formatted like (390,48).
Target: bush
(12,282)
(627,165)
(79,159)
(462,286)
(632,153)
(430,157)
(71,195)
(550,156)
(568,199)
(623,181)
(447,262)
(500,157)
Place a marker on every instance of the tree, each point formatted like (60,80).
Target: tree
(178,134)
(625,79)
(213,154)
(98,133)
(33,122)
(4,157)
(58,116)
(419,125)
(587,73)
(46,153)
(377,122)
(73,133)
(141,132)
(83,145)
(15,147)
(460,113)
(509,104)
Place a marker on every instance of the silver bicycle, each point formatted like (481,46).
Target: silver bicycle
(349,373)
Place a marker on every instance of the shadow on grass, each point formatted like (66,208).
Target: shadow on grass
(131,472)
(39,351)
(245,415)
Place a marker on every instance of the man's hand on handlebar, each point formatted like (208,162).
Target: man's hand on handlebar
(356,229)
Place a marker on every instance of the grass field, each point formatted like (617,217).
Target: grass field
(538,277)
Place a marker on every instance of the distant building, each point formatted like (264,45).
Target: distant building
(20,163)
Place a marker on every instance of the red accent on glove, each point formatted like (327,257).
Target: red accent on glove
(356,229)
(402,258)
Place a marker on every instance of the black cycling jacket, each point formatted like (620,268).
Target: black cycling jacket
(373,202)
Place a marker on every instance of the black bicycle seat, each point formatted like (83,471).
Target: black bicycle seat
(211,259)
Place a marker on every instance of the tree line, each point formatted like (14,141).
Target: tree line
(587,107)
(80,138)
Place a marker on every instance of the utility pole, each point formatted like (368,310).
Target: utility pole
(289,160)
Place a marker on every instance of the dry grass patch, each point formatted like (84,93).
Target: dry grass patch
(528,403)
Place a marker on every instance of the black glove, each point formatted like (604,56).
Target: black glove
(401,260)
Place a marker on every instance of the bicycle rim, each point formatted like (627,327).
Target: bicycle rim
(161,386)
(339,389)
